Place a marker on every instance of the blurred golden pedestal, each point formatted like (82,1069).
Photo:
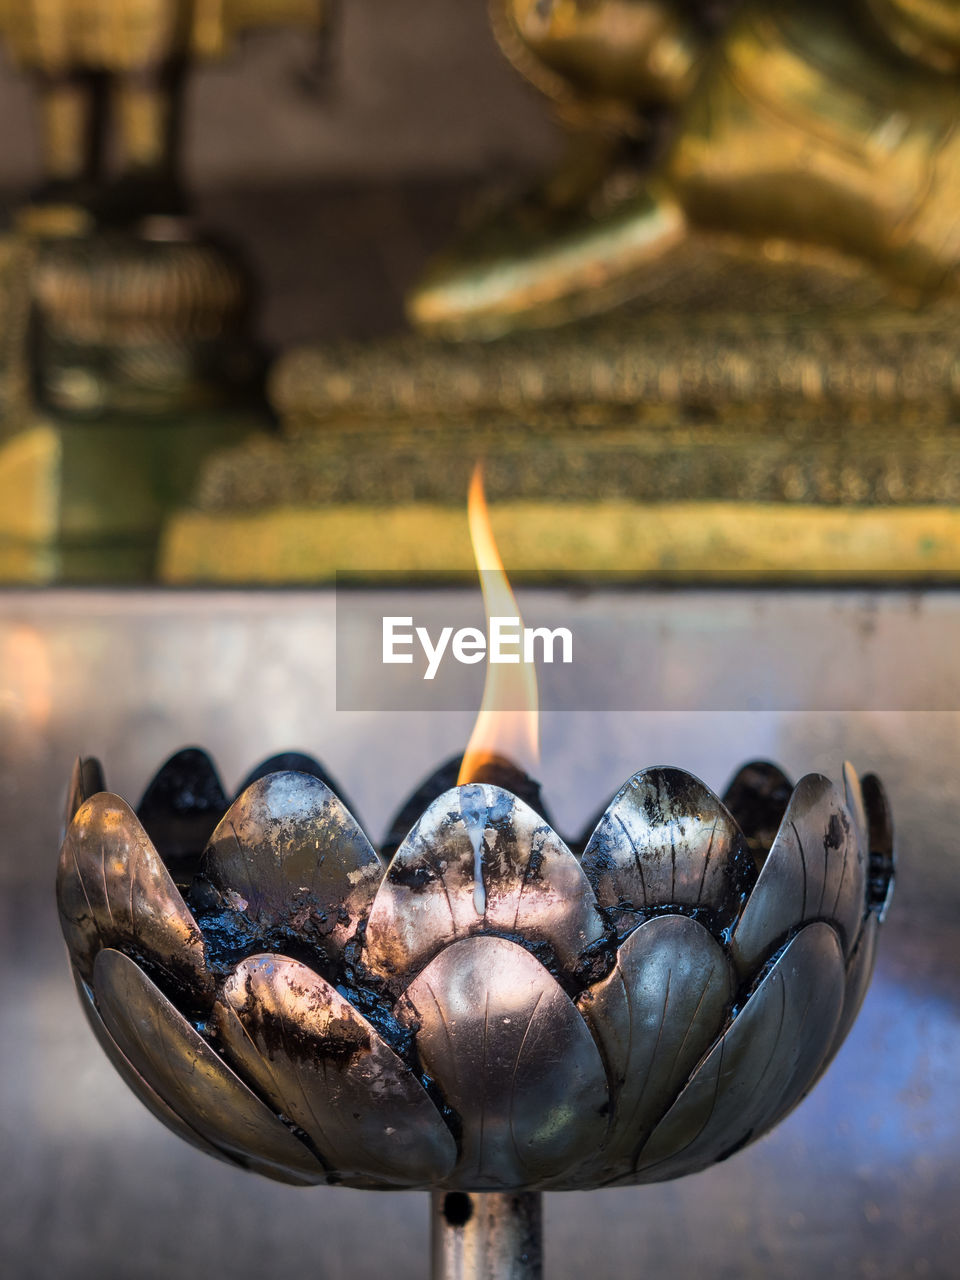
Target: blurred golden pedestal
(123,365)
(766,417)
(86,501)
(680,542)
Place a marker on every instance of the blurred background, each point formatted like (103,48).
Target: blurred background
(288,264)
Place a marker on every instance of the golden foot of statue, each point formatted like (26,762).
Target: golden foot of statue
(514,272)
(800,130)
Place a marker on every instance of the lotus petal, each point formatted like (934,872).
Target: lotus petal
(179,1065)
(85,781)
(816,870)
(135,1081)
(667,841)
(762,1065)
(289,859)
(757,796)
(317,1060)
(868,804)
(480,861)
(290,762)
(513,1058)
(853,799)
(880,842)
(494,770)
(857,981)
(654,1017)
(183,803)
(114,891)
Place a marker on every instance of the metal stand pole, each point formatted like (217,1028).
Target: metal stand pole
(489,1236)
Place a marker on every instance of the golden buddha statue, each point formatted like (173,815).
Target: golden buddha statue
(98,63)
(816,126)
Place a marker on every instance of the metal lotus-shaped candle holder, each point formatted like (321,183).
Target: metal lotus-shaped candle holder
(486,1011)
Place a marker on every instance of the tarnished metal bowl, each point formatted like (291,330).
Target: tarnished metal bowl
(488,1010)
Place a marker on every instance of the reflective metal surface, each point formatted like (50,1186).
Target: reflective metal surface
(514,1060)
(322,1064)
(762,1066)
(179,1065)
(477,1237)
(112,887)
(860,1180)
(816,870)
(522,1098)
(654,1017)
(288,862)
(665,840)
(479,860)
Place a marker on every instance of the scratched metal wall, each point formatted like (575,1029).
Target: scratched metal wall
(862,1181)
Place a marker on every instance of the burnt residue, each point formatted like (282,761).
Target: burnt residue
(534,868)
(497,771)
(507,852)
(407,816)
(882,863)
(753,981)
(292,762)
(625,917)
(307,1141)
(836,833)
(433,1091)
(186,791)
(417,877)
(178,982)
(719,914)
(180,809)
(594,963)
(741,871)
(457,1208)
(372,997)
(231,935)
(758,796)
(344,1039)
(376,1007)
(451,1118)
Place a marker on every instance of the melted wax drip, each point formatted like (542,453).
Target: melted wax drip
(473,810)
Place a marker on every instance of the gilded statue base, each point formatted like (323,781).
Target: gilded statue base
(124,364)
(86,501)
(766,417)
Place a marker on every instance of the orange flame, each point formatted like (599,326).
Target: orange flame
(508,724)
